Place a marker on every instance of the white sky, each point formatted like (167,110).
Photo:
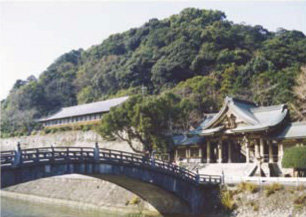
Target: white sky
(34,34)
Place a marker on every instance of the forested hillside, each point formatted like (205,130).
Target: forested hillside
(197,54)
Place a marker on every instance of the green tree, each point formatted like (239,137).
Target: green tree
(148,120)
(137,120)
(295,158)
(229,77)
(299,90)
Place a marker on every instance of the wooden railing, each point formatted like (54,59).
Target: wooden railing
(266,158)
(87,154)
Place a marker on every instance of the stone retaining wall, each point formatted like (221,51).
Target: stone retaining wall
(67,138)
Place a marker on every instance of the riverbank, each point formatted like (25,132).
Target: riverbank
(273,200)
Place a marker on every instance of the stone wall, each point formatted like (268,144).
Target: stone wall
(67,138)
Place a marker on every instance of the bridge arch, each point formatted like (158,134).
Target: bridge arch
(167,187)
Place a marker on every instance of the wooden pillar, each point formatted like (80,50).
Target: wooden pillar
(208,152)
(220,151)
(200,153)
(229,152)
(280,152)
(262,150)
(176,155)
(257,154)
(247,150)
(187,153)
(270,152)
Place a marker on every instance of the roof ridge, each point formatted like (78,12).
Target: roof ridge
(91,103)
(229,98)
(245,114)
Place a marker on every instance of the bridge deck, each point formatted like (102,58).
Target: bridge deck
(53,155)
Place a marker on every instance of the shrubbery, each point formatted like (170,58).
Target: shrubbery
(295,157)
(227,200)
(271,189)
(133,201)
(300,201)
(249,187)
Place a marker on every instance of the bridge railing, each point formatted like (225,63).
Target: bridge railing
(83,154)
(7,157)
(210,179)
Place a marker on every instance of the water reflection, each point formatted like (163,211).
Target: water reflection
(20,208)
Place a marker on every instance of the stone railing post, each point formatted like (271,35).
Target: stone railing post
(222,178)
(197,176)
(18,156)
(153,158)
(37,156)
(96,152)
(52,153)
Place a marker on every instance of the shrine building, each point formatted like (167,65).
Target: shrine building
(241,132)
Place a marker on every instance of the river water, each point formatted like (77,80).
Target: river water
(21,208)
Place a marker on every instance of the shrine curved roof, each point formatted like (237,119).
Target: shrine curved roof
(255,118)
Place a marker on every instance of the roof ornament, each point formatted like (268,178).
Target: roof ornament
(245,141)
(231,122)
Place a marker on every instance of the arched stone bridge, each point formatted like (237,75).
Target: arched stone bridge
(169,188)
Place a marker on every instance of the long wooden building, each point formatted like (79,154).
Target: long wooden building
(81,114)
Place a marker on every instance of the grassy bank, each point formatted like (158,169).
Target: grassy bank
(247,199)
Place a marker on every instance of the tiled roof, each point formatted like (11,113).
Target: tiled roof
(296,130)
(255,118)
(90,108)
